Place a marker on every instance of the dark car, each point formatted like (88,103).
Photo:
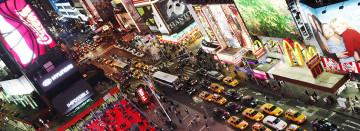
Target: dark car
(191,91)
(233,94)
(205,84)
(234,107)
(191,81)
(221,113)
(201,72)
(249,101)
(323,125)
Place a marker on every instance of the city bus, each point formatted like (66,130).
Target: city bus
(166,79)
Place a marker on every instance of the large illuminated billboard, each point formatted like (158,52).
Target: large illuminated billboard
(337,33)
(268,18)
(22,32)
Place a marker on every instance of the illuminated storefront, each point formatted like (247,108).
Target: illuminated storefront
(189,34)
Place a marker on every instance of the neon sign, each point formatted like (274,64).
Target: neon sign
(297,51)
(257,49)
(143,95)
(31,20)
(48,81)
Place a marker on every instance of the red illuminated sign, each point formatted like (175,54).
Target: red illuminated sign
(26,37)
(143,95)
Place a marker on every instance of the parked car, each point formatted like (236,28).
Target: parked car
(275,122)
(201,72)
(249,101)
(216,75)
(323,125)
(231,106)
(221,113)
(233,94)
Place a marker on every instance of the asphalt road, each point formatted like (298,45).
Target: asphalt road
(312,112)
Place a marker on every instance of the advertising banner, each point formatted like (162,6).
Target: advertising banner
(336,32)
(147,15)
(248,71)
(175,14)
(23,33)
(104,8)
(260,74)
(72,97)
(19,86)
(268,18)
(57,75)
(143,95)
(87,4)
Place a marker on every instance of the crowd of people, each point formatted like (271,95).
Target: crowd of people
(119,117)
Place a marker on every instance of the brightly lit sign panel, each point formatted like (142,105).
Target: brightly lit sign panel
(18,86)
(143,96)
(26,37)
(57,75)
(297,52)
(72,97)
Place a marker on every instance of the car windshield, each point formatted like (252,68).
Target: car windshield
(272,108)
(263,128)
(216,87)
(230,80)
(238,121)
(254,113)
(219,98)
(206,95)
(217,74)
(297,114)
(276,121)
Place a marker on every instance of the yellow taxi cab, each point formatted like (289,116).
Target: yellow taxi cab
(136,64)
(293,127)
(230,81)
(296,116)
(206,95)
(237,122)
(144,67)
(253,114)
(219,99)
(259,127)
(271,109)
(217,88)
(135,73)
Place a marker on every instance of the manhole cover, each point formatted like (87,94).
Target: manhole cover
(197,99)
(310,110)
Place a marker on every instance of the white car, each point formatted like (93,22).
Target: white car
(275,122)
(139,54)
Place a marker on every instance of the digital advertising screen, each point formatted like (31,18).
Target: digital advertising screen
(337,33)
(18,86)
(23,33)
(57,75)
(72,97)
(175,14)
(104,8)
(268,18)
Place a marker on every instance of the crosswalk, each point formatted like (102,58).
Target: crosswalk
(188,71)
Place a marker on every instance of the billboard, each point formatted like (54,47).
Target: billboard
(175,14)
(24,35)
(72,97)
(57,75)
(103,8)
(336,32)
(147,15)
(268,18)
(18,86)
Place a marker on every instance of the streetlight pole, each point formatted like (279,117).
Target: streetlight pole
(205,110)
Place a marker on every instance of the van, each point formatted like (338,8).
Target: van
(216,75)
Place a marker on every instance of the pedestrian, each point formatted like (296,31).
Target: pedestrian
(207,126)
(169,109)
(283,95)
(266,99)
(306,92)
(176,113)
(356,98)
(205,118)
(180,121)
(186,110)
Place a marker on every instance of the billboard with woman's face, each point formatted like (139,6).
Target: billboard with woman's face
(336,32)
(268,18)
(22,32)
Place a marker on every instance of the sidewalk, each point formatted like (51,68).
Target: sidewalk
(159,119)
(297,92)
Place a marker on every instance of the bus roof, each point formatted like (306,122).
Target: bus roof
(165,76)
